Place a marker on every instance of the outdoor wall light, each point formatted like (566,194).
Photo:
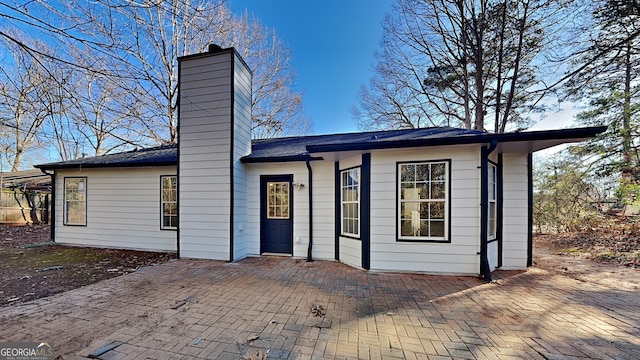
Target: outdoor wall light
(298,186)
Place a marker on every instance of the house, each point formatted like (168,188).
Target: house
(437,200)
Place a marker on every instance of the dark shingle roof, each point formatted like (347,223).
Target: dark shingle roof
(155,156)
(300,148)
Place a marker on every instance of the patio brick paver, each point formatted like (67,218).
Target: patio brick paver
(263,306)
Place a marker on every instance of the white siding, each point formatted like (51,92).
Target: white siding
(492,253)
(459,256)
(515,212)
(351,251)
(323,213)
(323,210)
(123,209)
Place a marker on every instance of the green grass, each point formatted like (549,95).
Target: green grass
(42,257)
(572,250)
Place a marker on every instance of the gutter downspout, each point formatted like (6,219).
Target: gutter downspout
(309,249)
(485,268)
(52,204)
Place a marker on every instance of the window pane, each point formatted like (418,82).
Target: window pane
(424,228)
(422,172)
(353,209)
(437,190)
(492,219)
(437,228)
(411,193)
(407,172)
(438,171)
(437,210)
(70,195)
(405,228)
(404,194)
(424,210)
(171,209)
(423,190)
(492,182)
(407,209)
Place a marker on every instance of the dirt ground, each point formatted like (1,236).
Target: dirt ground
(33,267)
(608,256)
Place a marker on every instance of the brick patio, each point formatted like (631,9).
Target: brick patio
(262,307)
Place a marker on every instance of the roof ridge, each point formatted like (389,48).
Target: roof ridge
(362,133)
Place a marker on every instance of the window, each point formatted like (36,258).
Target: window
(169,201)
(278,200)
(75,201)
(423,200)
(350,199)
(492,215)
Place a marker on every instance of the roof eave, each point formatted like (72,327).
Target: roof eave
(106,165)
(568,134)
(291,158)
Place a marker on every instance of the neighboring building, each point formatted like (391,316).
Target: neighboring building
(24,197)
(437,200)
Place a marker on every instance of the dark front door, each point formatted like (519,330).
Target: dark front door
(276,214)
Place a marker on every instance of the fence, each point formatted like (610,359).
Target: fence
(23,207)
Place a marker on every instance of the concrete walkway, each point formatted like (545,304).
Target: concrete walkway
(271,308)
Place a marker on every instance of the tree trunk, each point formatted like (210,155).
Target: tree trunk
(17,160)
(627,169)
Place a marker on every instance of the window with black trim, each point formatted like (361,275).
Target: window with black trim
(423,200)
(493,208)
(169,194)
(350,201)
(75,201)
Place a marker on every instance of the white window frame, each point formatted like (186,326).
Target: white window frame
(77,198)
(354,219)
(164,202)
(492,204)
(445,187)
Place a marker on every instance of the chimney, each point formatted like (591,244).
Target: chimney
(214,132)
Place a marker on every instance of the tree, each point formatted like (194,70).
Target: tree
(147,37)
(567,196)
(122,56)
(611,85)
(459,63)
(28,99)
(277,109)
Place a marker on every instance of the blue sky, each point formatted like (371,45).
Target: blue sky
(332,43)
